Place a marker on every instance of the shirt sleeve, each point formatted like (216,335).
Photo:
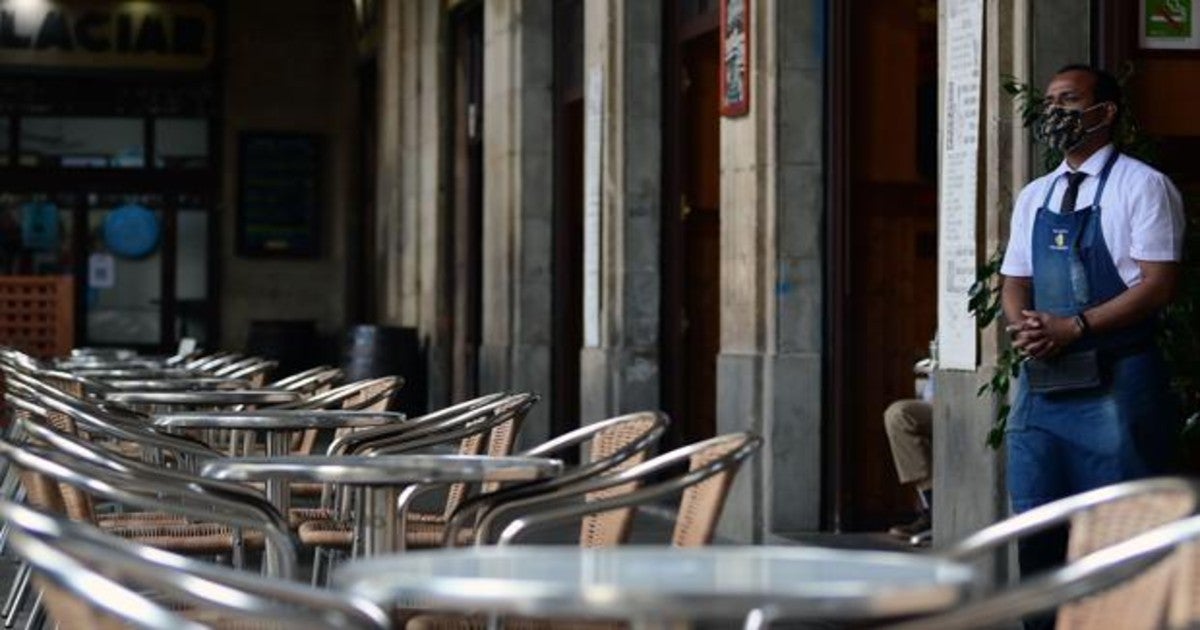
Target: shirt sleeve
(1017,259)
(1157,222)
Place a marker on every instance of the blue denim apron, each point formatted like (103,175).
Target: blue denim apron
(1065,443)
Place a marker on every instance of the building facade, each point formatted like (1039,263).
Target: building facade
(725,209)
(563,207)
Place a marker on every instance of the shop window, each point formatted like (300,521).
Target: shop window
(35,235)
(181,143)
(124,287)
(76,142)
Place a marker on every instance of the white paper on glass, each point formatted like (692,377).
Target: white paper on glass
(958,185)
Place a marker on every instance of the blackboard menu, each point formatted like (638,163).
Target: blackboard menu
(279,194)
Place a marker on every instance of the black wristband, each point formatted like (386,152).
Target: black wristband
(1082,322)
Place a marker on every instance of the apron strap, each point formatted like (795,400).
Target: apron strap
(1108,166)
(1050,191)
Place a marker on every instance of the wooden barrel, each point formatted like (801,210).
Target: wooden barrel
(371,351)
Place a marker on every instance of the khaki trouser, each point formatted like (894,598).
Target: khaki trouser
(909,425)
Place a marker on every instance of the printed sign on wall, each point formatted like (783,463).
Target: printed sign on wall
(1169,24)
(735,57)
(97,34)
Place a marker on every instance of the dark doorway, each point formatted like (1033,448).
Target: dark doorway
(464,227)
(362,283)
(567,327)
(691,223)
(882,253)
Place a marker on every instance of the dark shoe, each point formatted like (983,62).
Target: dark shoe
(922,523)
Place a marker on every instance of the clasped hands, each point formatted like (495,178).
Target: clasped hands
(1042,335)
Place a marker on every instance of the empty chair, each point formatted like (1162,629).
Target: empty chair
(63,483)
(491,427)
(613,445)
(95,580)
(607,513)
(1104,562)
(711,464)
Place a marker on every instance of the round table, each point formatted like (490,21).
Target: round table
(276,424)
(381,478)
(213,398)
(198,383)
(654,584)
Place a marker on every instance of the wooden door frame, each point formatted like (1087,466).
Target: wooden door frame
(1114,33)
(676,35)
(567,242)
(463,296)
(837,265)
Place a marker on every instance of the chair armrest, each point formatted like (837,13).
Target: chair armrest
(77,580)
(159,493)
(1091,574)
(1058,512)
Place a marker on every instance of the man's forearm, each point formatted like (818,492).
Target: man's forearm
(1134,304)
(1016,295)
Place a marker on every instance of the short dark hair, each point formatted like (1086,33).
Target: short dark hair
(1107,88)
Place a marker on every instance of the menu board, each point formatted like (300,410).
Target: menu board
(958,194)
(279,194)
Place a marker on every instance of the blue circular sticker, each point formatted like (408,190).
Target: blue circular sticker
(131,231)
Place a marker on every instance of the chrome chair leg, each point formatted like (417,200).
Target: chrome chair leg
(318,556)
(22,591)
(37,614)
(11,600)
(17,497)
(759,619)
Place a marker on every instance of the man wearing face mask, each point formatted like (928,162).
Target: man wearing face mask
(1093,256)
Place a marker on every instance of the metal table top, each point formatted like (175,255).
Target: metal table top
(213,397)
(641,582)
(384,470)
(110,374)
(276,419)
(175,384)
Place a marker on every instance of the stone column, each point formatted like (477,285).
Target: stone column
(623,46)
(518,202)
(411,216)
(769,371)
(387,187)
(968,482)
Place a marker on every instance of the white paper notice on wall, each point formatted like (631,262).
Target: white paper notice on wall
(958,183)
(592,173)
(102,271)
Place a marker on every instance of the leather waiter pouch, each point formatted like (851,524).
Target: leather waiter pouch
(1064,373)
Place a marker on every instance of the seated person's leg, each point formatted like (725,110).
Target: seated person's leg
(909,425)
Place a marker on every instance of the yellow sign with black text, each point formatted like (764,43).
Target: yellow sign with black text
(133,34)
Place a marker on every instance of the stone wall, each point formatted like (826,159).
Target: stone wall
(289,67)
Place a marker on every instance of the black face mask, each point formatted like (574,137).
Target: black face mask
(1062,129)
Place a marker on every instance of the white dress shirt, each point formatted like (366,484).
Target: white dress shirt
(1141,214)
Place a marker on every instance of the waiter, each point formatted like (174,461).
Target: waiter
(1093,256)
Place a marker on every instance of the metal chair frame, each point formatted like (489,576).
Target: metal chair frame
(542,510)
(473,510)
(74,555)
(161,494)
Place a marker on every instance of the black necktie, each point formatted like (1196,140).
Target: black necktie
(1069,196)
